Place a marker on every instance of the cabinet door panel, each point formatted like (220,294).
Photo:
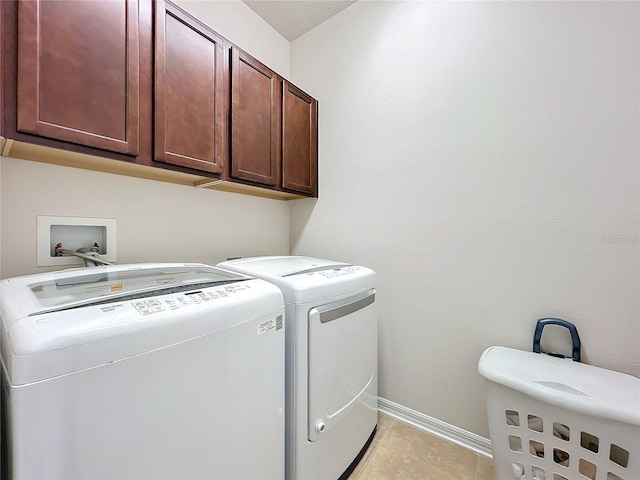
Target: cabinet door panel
(255,125)
(189,92)
(78,72)
(299,141)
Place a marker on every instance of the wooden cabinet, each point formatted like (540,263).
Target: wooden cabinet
(255,120)
(273,128)
(2,74)
(141,81)
(78,72)
(189,115)
(299,141)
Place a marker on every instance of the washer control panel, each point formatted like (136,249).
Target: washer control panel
(148,306)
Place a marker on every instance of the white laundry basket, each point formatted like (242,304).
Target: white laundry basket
(555,419)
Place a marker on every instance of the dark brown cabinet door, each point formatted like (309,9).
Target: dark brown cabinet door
(255,120)
(3,69)
(299,141)
(190,119)
(78,72)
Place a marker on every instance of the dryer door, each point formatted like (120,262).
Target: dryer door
(343,344)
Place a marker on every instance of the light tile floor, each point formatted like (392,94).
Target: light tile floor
(401,452)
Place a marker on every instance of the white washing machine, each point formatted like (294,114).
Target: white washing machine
(149,371)
(331,358)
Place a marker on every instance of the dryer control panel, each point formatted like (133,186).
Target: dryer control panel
(338,272)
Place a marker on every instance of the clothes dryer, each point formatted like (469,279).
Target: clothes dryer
(149,371)
(331,360)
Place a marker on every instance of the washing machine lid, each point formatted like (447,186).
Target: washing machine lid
(62,322)
(305,279)
(73,288)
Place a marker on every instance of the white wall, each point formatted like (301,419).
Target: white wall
(156,221)
(483,158)
(239,24)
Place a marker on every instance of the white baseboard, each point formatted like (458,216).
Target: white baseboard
(471,441)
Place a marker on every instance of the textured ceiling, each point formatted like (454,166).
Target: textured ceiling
(292,18)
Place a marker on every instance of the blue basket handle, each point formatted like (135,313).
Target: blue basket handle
(575,338)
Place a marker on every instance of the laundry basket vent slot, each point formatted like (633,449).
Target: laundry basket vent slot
(561,457)
(561,431)
(537,472)
(512,418)
(588,441)
(515,443)
(517,469)
(587,469)
(535,423)
(619,455)
(536,448)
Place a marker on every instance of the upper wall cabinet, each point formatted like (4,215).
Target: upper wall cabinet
(190,91)
(125,85)
(299,141)
(78,72)
(274,131)
(255,120)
